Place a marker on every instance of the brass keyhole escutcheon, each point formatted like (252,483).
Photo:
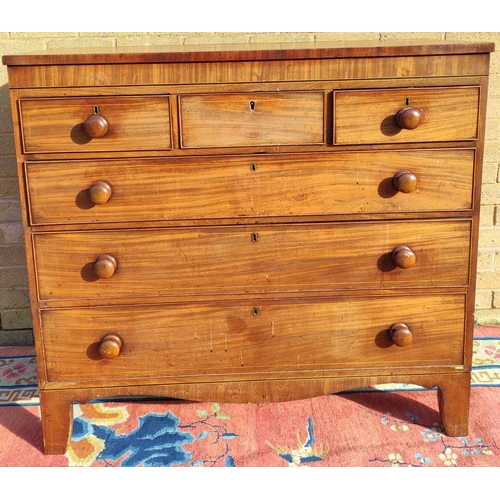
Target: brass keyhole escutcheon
(255,237)
(255,311)
(252,105)
(253,166)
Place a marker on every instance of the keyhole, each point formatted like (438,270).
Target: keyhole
(255,311)
(255,237)
(252,105)
(96,110)
(253,166)
(407,101)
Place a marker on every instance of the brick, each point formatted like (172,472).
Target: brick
(490,173)
(14,298)
(490,194)
(4,96)
(485,258)
(16,337)
(479,36)
(19,45)
(11,233)
(493,92)
(150,40)
(489,237)
(488,317)
(10,210)
(6,121)
(204,38)
(43,35)
(7,144)
(431,35)
(12,255)
(116,34)
(58,43)
(484,300)
(340,37)
(16,319)
(492,152)
(496,299)
(8,165)
(14,276)
(9,187)
(492,129)
(487,216)
(493,109)
(488,280)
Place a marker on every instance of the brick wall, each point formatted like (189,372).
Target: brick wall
(15,324)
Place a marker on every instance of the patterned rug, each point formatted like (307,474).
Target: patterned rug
(393,425)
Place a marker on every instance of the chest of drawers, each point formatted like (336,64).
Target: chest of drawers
(250,223)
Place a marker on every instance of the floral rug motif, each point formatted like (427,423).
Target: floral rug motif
(103,433)
(18,380)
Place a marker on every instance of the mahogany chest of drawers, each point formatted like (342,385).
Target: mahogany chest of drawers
(250,223)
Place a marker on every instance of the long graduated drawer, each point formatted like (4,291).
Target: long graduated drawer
(250,186)
(223,342)
(235,260)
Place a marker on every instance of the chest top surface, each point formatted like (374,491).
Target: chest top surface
(246,52)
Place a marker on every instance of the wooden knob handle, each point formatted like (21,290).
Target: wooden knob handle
(100,192)
(408,118)
(105,266)
(401,334)
(110,346)
(404,257)
(95,126)
(405,181)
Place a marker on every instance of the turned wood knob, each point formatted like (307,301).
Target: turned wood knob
(404,257)
(405,181)
(95,126)
(401,334)
(408,118)
(100,192)
(110,346)
(105,266)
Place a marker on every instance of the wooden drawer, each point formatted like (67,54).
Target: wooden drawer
(130,123)
(248,186)
(246,259)
(371,116)
(217,342)
(252,119)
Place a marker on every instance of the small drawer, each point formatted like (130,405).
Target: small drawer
(252,119)
(406,115)
(250,186)
(290,258)
(95,124)
(206,342)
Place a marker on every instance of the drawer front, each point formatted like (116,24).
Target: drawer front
(249,186)
(210,341)
(371,116)
(120,124)
(252,119)
(251,259)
